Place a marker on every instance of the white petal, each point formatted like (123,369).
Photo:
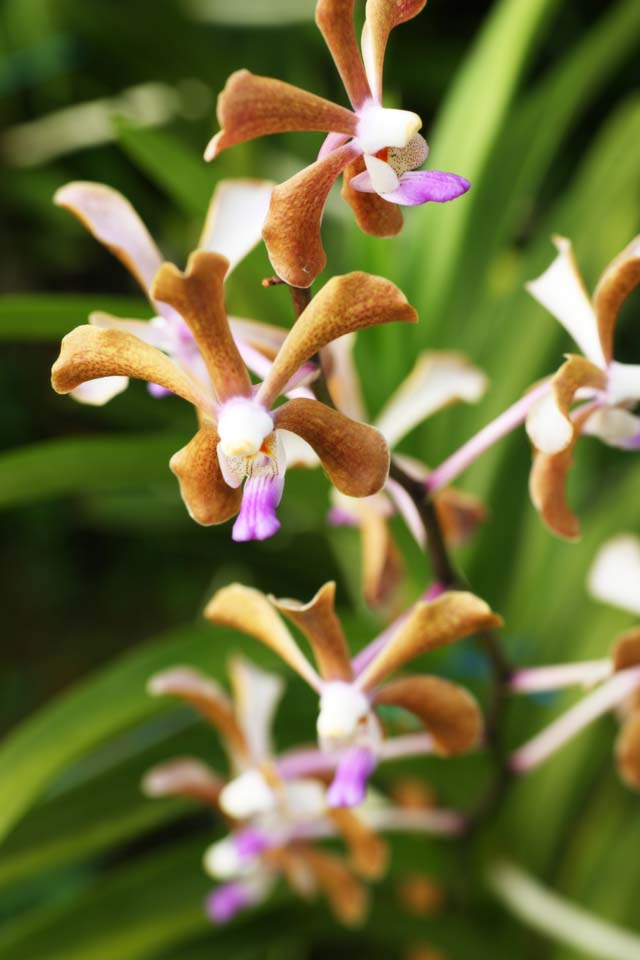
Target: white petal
(548,428)
(369,62)
(614,426)
(235,219)
(344,383)
(624,382)
(113,221)
(247,795)
(96,393)
(383,177)
(436,381)
(157,331)
(305,799)
(380,127)
(561,291)
(256,698)
(298,453)
(614,577)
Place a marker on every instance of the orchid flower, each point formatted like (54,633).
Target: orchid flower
(436,381)
(608,390)
(614,578)
(377,148)
(351,691)
(232,228)
(275,813)
(240,436)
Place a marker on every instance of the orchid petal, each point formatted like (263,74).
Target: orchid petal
(185,777)
(353,455)
(252,106)
(383,177)
(547,487)
(628,751)
(95,393)
(614,426)
(549,423)
(615,574)
(207,497)
(330,143)
(89,353)
(451,617)
(369,853)
(257,519)
(436,381)
(460,515)
(236,215)
(342,376)
(626,652)
(248,610)
(349,785)
(616,284)
(422,186)
(298,453)
(561,291)
(112,220)
(381,18)
(292,228)
(266,338)
(198,296)
(345,304)
(320,625)
(449,713)
(335,22)
(256,696)
(226,901)
(623,382)
(382,564)
(373,214)
(154,332)
(207,697)
(346,895)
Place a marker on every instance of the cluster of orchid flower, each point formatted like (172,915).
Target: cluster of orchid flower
(266,397)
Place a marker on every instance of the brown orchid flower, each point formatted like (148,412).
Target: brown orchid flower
(240,435)
(378,149)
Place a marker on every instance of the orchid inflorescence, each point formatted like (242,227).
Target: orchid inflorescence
(266,397)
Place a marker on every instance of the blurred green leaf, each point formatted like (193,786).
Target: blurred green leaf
(49,316)
(84,465)
(254,13)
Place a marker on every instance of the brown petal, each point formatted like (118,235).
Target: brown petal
(88,353)
(460,515)
(251,106)
(449,618)
(207,497)
(185,777)
(320,625)
(448,712)
(249,611)
(112,220)
(354,456)
(375,216)
(381,17)
(369,852)
(335,21)
(346,895)
(382,563)
(198,296)
(292,228)
(628,751)
(205,696)
(626,652)
(345,304)
(547,486)
(574,373)
(617,282)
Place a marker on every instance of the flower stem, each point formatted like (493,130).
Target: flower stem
(469,452)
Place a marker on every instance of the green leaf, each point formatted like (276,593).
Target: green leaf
(254,13)
(84,465)
(177,169)
(49,316)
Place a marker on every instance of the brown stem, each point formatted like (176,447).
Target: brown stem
(300,298)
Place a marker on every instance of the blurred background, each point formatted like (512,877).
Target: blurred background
(104,574)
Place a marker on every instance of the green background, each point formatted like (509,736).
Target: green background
(103,573)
